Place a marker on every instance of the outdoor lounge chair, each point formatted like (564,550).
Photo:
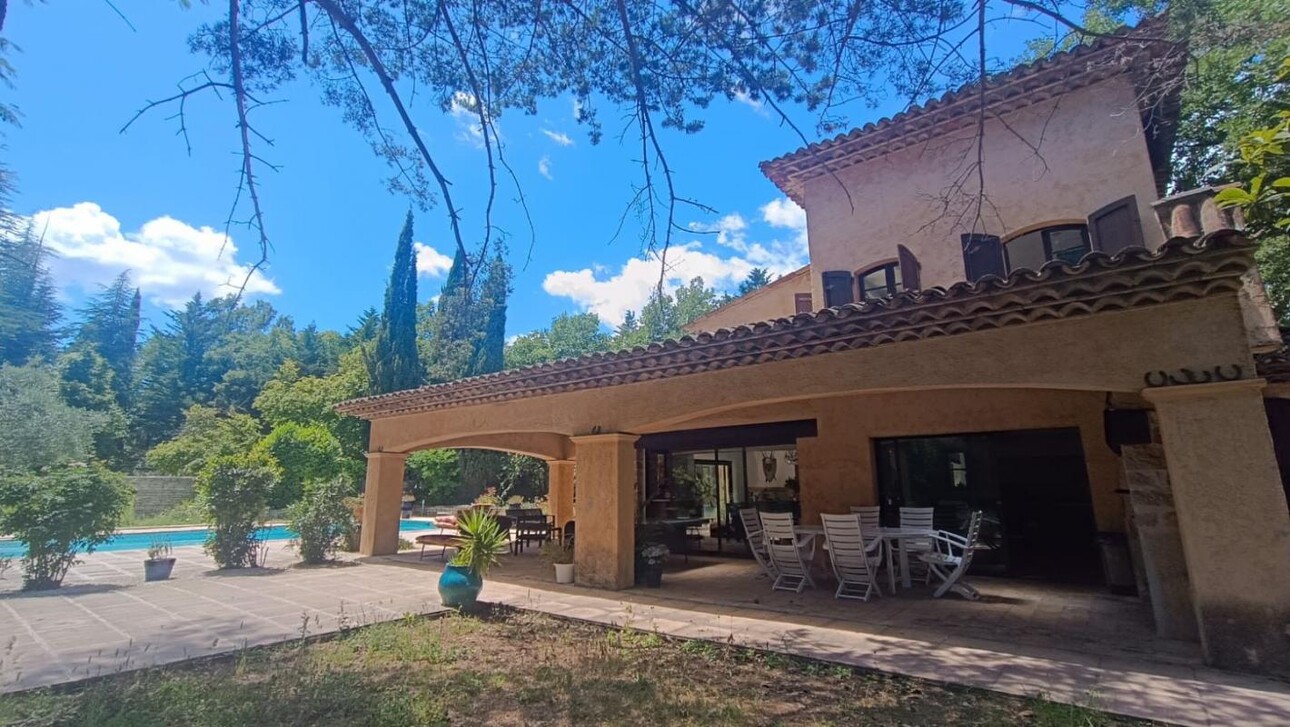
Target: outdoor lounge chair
(917,518)
(951,557)
(870,521)
(855,560)
(792,571)
(756,540)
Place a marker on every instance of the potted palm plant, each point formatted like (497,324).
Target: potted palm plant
(160,562)
(480,540)
(560,555)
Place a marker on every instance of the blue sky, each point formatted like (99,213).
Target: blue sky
(138,200)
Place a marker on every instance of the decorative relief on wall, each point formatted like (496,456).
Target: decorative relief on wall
(1185,377)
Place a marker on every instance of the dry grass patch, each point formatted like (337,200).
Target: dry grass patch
(509,668)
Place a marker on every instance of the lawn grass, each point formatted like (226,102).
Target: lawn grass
(512,668)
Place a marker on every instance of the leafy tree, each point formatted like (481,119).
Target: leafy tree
(29,310)
(434,476)
(757,278)
(110,328)
(207,434)
(396,364)
(87,382)
(570,334)
(304,454)
(60,513)
(310,400)
(318,352)
(233,492)
(453,330)
(321,520)
(496,288)
(521,475)
(37,427)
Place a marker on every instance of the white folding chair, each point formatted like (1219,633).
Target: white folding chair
(855,560)
(951,558)
(870,521)
(757,540)
(792,571)
(917,518)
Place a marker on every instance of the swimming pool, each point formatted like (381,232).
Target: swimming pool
(141,539)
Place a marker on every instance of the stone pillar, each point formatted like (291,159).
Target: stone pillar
(1232,518)
(382,500)
(560,490)
(604,547)
(1147,478)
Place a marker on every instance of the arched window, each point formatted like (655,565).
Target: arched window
(879,281)
(1031,250)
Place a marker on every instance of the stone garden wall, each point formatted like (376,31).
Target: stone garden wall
(154,494)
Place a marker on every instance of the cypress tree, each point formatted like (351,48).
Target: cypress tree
(496,288)
(396,363)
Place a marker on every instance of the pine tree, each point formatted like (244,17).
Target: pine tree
(757,278)
(110,328)
(396,364)
(29,311)
(453,329)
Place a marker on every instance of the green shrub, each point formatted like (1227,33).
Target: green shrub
(480,540)
(234,491)
(60,513)
(321,520)
(305,454)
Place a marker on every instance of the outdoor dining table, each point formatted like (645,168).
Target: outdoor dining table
(892,537)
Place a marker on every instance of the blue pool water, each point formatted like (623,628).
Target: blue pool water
(141,539)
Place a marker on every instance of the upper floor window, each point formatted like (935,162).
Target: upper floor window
(882,281)
(1067,243)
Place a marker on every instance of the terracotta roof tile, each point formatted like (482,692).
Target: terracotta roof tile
(1182,269)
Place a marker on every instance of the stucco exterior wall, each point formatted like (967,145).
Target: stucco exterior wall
(1093,153)
(776,300)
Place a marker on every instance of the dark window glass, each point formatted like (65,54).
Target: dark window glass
(880,282)
(1067,243)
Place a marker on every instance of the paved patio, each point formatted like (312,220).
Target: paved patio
(1066,645)
(106,619)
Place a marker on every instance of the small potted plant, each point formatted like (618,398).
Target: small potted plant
(651,564)
(480,539)
(160,562)
(560,555)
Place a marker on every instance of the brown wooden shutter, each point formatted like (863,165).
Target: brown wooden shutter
(982,256)
(802,303)
(838,289)
(910,270)
(1116,226)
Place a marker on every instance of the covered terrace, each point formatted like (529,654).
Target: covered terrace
(1056,349)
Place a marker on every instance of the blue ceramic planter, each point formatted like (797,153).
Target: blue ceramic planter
(459,586)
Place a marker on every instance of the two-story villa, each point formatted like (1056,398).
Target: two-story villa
(1060,349)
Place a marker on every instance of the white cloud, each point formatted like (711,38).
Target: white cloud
(784,212)
(430,262)
(558,137)
(168,259)
(610,294)
(753,103)
(464,108)
(544,167)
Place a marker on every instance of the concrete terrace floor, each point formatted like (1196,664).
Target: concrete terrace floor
(1066,645)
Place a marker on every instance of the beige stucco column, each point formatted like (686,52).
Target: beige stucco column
(382,499)
(560,490)
(1232,519)
(603,549)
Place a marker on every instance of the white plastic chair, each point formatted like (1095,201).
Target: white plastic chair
(757,540)
(917,518)
(792,571)
(870,521)
(951,558)
(855,560)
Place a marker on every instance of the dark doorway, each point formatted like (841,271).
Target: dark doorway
(1031,485)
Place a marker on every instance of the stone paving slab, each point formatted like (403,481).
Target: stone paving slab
(105,619)
(1145,689)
